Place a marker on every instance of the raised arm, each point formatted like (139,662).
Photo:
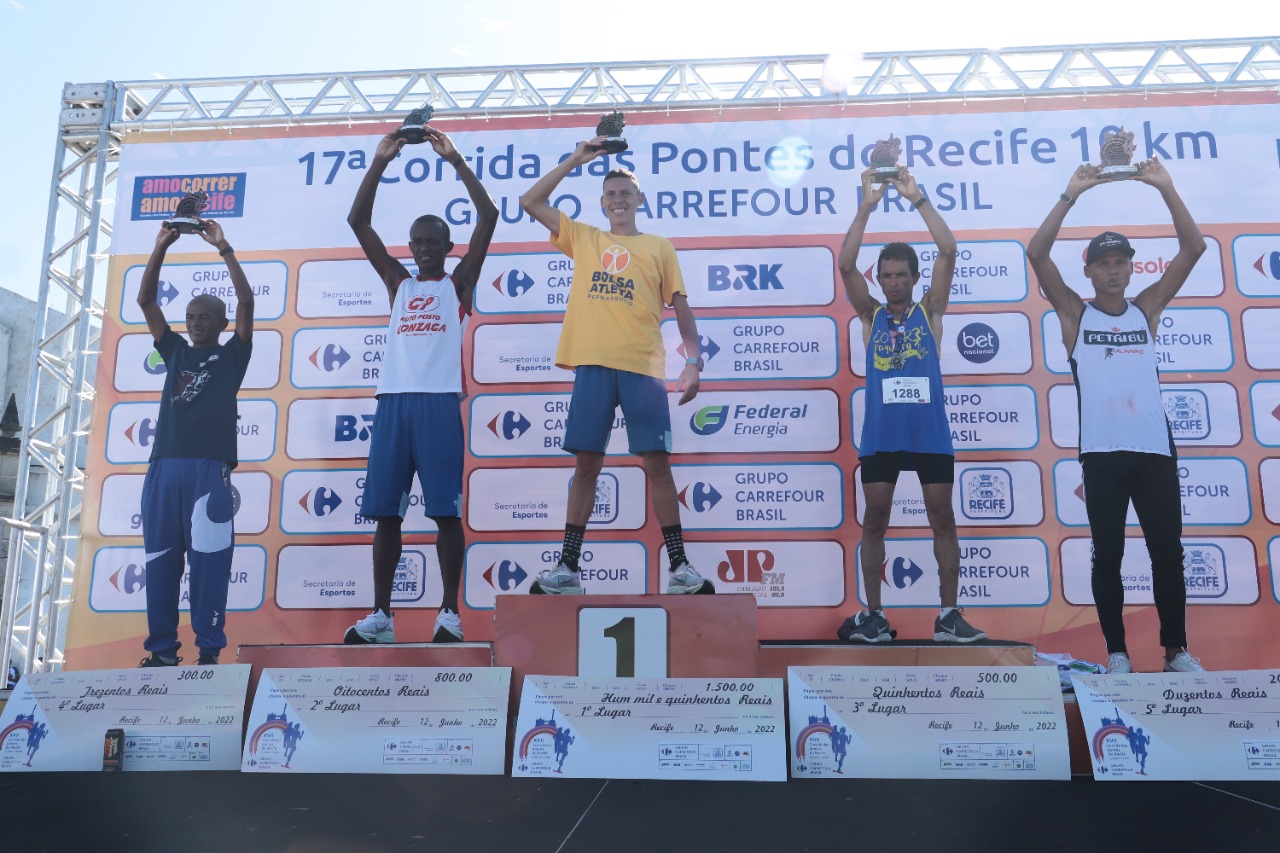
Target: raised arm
(690,375)
(1153,299)
(467,272)
(213,235)
(1064,300)
(944,265)
(855,285)
(360,218)
(536,201)
(150,284)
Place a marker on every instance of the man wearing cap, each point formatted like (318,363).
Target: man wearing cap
(1126,446)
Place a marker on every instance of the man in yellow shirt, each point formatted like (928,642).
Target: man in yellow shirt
(611,340)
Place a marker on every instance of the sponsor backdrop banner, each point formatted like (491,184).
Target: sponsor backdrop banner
(766,458)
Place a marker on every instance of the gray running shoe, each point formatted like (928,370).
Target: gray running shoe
(561,580)
(953,628)
(866,626)
(684,579)
(1118,664)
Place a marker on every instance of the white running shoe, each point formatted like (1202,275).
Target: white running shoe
(1118,664)
(561,580)
(448,627)
(1183,662)
(377,627)
(685,580)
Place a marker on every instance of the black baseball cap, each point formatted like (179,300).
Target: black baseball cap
(1105,243)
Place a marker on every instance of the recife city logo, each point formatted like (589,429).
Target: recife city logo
(699,496)
(1118,748)
(320,502)
(329,357)
(987,493)
(509,425)
(505,575)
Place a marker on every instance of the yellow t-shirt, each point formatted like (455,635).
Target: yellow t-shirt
(620,285)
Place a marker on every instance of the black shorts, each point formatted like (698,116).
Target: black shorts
(930,467)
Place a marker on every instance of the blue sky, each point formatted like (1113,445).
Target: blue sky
(45,43)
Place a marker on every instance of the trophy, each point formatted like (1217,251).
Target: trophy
(1117,151)
(413,130)
(884,159)
(186,220)
(611,126)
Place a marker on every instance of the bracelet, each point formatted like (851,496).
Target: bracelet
(924,199)
(458,162)
(1068,199)
(226,251)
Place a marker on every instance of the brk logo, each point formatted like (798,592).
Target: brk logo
(422,303)
(153,364)
(166,292)
(745,565)
(978,343)
(141,433)
(320,502)
(987,493)
(329,357)
(505,575)
(129,578)
(509,425)
(709,420)
(513,283)
(743,277)
(699,497)
(350,428)
(1268,264)
(901,572)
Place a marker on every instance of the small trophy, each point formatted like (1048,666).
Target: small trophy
(186,220)
(884,159)
(611,126)
(413,131)
(1117,151)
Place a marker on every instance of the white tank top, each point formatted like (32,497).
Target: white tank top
(1114,364)
(423,353)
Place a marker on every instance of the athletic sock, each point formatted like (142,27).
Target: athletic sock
(674,537)
(572,548)
(945,612)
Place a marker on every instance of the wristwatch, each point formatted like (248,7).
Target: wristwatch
(696,362)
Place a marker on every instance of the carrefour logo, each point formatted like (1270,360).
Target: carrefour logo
(509,425)
(320,502)
(129,578)
(153,363)
(978,343)
(352,427)
(709,420)
(699,497)
(166,293)
(901,573)
(1268,264)
(141,432)
(721,277)
(987,493)
(505,575)
(513,283)
(709,348)
(329,357)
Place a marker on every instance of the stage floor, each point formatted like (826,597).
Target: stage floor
(324,813)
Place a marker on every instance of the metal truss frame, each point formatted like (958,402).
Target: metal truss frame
(95,117)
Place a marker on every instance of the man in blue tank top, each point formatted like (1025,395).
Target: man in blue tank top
(1126,447)
(906,427)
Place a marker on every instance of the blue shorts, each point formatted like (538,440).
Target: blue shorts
(415,433)
(597,393)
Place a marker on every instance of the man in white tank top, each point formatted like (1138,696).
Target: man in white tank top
(1126,447)
(418,422)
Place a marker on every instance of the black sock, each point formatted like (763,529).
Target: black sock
(674,537)
(571,550)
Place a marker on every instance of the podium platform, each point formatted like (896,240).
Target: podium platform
(337,654)
(776,656)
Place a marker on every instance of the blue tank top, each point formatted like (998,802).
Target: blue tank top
(905,408)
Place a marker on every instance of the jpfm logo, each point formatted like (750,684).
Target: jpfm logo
(709,420)
(1269,265)
(708,347)
(513,283)
(153,364)
(904,573)
(745,565)
(1187,413)
(1204,571)
(129,578)
(987,493)
(505,575)
(509,425)
(743,277)
(699,497)
(352,428)
(329,357)
(141,433)
(166,292)
(320,502)
(978,343)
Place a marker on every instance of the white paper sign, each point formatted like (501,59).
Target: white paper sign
(379,720)
(1203,725)
(945,722)
(173,717)
(651,728)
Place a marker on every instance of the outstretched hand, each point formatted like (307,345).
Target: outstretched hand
(1085,176)
(388,148)
(211,232)
(167,236)
(588,150)
(906,185)
(872,191)
(690,382)
(440,143)
(1153,173)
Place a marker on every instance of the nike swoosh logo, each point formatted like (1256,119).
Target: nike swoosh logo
(209,536)
(156,555)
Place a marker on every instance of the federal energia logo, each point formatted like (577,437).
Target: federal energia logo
(509,425)
(699,496)
(329,357)
(513,283)
(615,259)
(709,420)
(153,364)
